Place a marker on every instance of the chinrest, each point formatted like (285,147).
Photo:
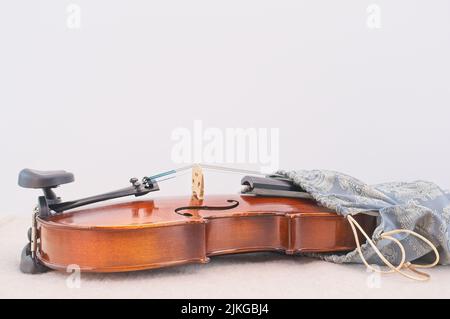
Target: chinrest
(30,178)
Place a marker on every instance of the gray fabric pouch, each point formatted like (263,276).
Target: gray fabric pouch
(419,206)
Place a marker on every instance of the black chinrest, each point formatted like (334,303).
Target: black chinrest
(30,178)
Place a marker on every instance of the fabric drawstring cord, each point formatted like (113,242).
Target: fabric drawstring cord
(402,266)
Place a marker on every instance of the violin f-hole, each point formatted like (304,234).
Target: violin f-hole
(234,204)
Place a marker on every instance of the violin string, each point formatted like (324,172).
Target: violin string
(170,172)
(206,166)
(234,170)
(171,177)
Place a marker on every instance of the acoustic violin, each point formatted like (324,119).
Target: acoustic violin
(270,214)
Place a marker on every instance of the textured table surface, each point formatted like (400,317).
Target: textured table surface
(259,275)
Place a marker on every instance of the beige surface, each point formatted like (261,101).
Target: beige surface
(262,275)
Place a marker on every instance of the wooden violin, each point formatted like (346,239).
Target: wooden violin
(168,231)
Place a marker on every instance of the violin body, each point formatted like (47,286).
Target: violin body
(147,234)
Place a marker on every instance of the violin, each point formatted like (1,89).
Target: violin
(270,214)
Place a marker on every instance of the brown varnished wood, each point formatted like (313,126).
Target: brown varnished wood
(149,234)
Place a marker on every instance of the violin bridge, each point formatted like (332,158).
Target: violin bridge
(198,184)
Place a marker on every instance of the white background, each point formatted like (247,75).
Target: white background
(103,100)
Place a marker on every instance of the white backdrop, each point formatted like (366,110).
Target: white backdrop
(102,100)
